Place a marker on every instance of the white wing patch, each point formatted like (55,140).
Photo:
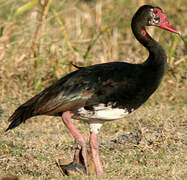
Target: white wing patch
(102,112)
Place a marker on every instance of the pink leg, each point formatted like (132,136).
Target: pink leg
(66,118)
(95,154)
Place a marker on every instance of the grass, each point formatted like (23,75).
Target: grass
(89,32)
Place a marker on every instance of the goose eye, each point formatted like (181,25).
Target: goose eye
(155,11)
(157,18)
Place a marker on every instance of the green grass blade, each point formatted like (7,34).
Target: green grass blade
(92,43)
(185,41)
(1,31)
(26,7)
(173,47)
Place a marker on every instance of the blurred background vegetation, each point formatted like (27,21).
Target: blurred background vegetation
(40,39)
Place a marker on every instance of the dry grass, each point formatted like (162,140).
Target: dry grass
(90,32)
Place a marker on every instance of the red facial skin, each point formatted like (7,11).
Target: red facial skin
(164,24)
(143,31)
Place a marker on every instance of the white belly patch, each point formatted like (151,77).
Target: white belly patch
(102,112)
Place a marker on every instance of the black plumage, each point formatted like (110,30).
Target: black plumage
(126,85)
